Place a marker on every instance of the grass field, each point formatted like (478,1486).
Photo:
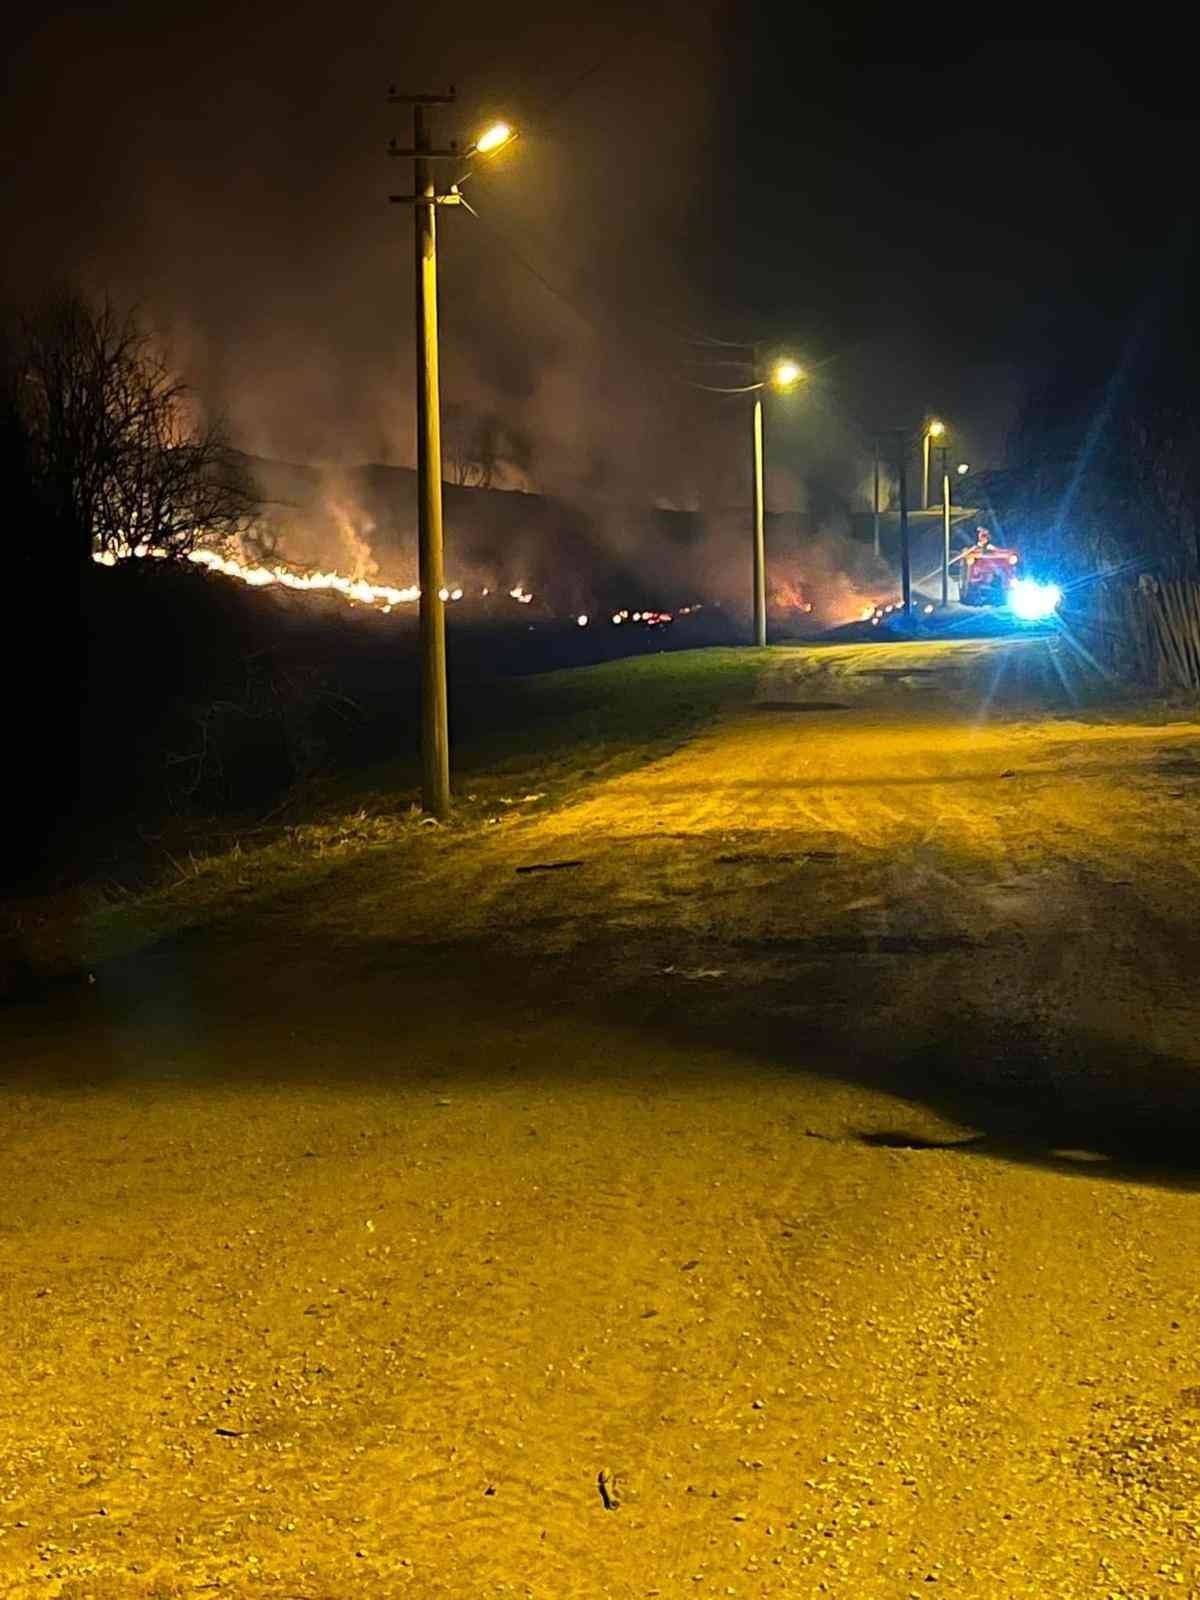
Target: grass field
(545,735)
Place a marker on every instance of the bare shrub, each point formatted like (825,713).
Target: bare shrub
(115,455)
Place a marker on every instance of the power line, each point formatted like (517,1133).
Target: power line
(704,341)
(568,299)
(535,272)
(578,83)
(646,321)
(656,324)
(708,388)
(620,316)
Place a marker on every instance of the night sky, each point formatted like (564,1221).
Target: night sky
(931,217)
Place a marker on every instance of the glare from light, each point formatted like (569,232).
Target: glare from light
(936,430)
(786,375)
(492,138)
(582,619)
(963,468)
(1032,601)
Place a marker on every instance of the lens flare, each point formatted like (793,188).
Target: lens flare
(1033,601)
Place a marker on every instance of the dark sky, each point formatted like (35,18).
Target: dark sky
(927,214)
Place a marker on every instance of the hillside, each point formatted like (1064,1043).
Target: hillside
(582,553)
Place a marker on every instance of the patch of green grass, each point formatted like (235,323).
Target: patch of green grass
(557,729)
(551,735)
(238,881)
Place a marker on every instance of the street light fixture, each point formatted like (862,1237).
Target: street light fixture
(933,430)
(945,526)
(491,139)
(784,375)
(425,199)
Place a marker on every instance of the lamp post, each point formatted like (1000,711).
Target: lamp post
(783,377)
(947,561)
(933,430)
(425,198)
(945,528)
(905,545)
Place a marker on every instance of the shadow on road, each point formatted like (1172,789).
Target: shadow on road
(1028,1084)
(1061,1095)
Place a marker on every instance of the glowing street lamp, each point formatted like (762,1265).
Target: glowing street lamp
(783,376)
(493,137)
(933,430)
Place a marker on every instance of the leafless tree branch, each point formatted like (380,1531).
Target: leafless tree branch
(116,459)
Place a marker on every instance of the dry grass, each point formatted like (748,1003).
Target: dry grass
(532,741)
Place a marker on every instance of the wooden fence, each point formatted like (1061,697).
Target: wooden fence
(1146,629)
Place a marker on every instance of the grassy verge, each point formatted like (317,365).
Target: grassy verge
(545,736)
(561,729)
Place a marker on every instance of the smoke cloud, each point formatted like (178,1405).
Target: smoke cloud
(225,170)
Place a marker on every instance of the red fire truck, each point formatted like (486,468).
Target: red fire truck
(985,571)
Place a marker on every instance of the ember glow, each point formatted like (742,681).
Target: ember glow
(384,597)
(652,619)
(875,614)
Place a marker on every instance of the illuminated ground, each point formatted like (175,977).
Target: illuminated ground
(343,1249)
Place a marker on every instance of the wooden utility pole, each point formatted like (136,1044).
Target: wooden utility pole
(435,716)
(760,550)
(945,527)
(435,721)
(902,440)
(905,551)
(876,496)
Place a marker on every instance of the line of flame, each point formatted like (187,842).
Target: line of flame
(385,595)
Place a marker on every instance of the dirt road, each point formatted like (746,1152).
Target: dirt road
(816,1160)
